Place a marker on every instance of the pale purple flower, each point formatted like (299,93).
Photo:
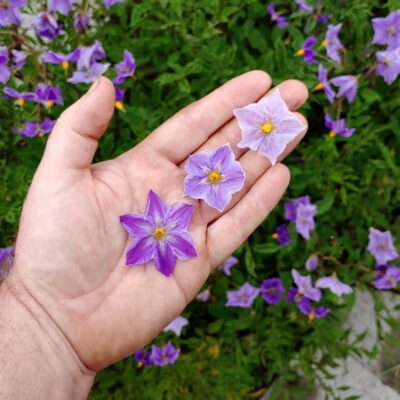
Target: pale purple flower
(143,358)
(125,69)
(10,12)
(61,59)
(32,129)
(6,261)
(305,287)
(305,219)
(282,235)
(177,325)
(165,355)
(109,3)
(214,177)
(324,84)
(228,264)
(90,55)
(47,26)
(388,64)
(90,74)
(244,297)
(312,263)
(280,20)
(19,59)
(306,51)
(160,234)
(390,280)
(81,21)
(338,127)
(62,6)
(4,68)
(311,312)
(332,42)
(348,85)
(21,97)
(268,126)
(381,246)
(47,95)
(387,30)
(271,290)
(204,296)
(119,99)
(292,205)
(303,6)
(334,285)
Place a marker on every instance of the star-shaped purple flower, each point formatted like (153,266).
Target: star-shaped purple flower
(90,74)
(324,84)
(307,51)
(4,68)
(19,59)
(164,355)
(305,287)
(10,12)
(280,20)
(228,264)
(160,234)
(348,85)
(90,55)
(303,6)
(292,205)
(204,296)
(214,177)
(20,96)
(332,43)
(390,280)
(268,126)
(271,290)
(338,127)
(32,129)
(143,358)
(177,325)
(312,313)
(125,69)
(62,6)
(334,285)
(244,297)
(305,219)
(312,263)
(387,30)
(47,95)
(47,26)
(81,21)
(381,246)
(61,59)
(282,235)
(388,64)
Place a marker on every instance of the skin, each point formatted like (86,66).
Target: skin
(70,272)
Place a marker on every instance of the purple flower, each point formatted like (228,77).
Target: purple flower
(32,129)
(324,84)
(90,55)
(305,219)
(6,261)
(271,290)
(380,270)
(81,21)
(90,74)
(348,85)
(381,246)
(292,205)
(47,26)
(20,96)
(119,99)
(306,51)
(204,296)
(322,18)
(312,263)
(62,6)
(160,234)
(388,64)
(332,42)
(165,355)
(109,3)
(10,12)
(312,313)
(389,280)
(303,6)
(268,126)
(334,285)
(177,325)
(4,69)
(338,127)
(214,177)
(243,297)
(19,59)
(282,235)
(125,69)
(63,59)
(305,287)
(280,20)
(228,264)
(143,358)
(387,30)
(47,95)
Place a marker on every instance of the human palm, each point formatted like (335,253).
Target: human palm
(70,251)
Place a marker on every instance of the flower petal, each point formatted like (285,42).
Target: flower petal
(182,245)
(136,225)
(165,259)
(179,216)
(141,251)
(156,209)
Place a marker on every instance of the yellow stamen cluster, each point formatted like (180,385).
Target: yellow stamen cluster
(391,30)
(267,127)
(159,233)
(311,317)
(119,105)
(21,101)
(140,364)
(325,43)
(65,65)
(214,177)
(49,103)
(275,235)
(319,86)
(332,134)
(300,52)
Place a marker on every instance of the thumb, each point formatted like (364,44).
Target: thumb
(73,142)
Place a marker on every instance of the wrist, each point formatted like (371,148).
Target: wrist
(37,359)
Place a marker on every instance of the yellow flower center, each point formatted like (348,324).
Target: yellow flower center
(392,30)
(275,235)
(140,364)
(332,134)
(311,317)
(65,65)
(300,52)
(159,233)
(383,245)
(387,62)
(21,101)
(267,127)
(392,280)
(119,105)
(325,43)
(214,177)
(49,103)
(319,86)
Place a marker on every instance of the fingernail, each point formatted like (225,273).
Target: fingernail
(94,85)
